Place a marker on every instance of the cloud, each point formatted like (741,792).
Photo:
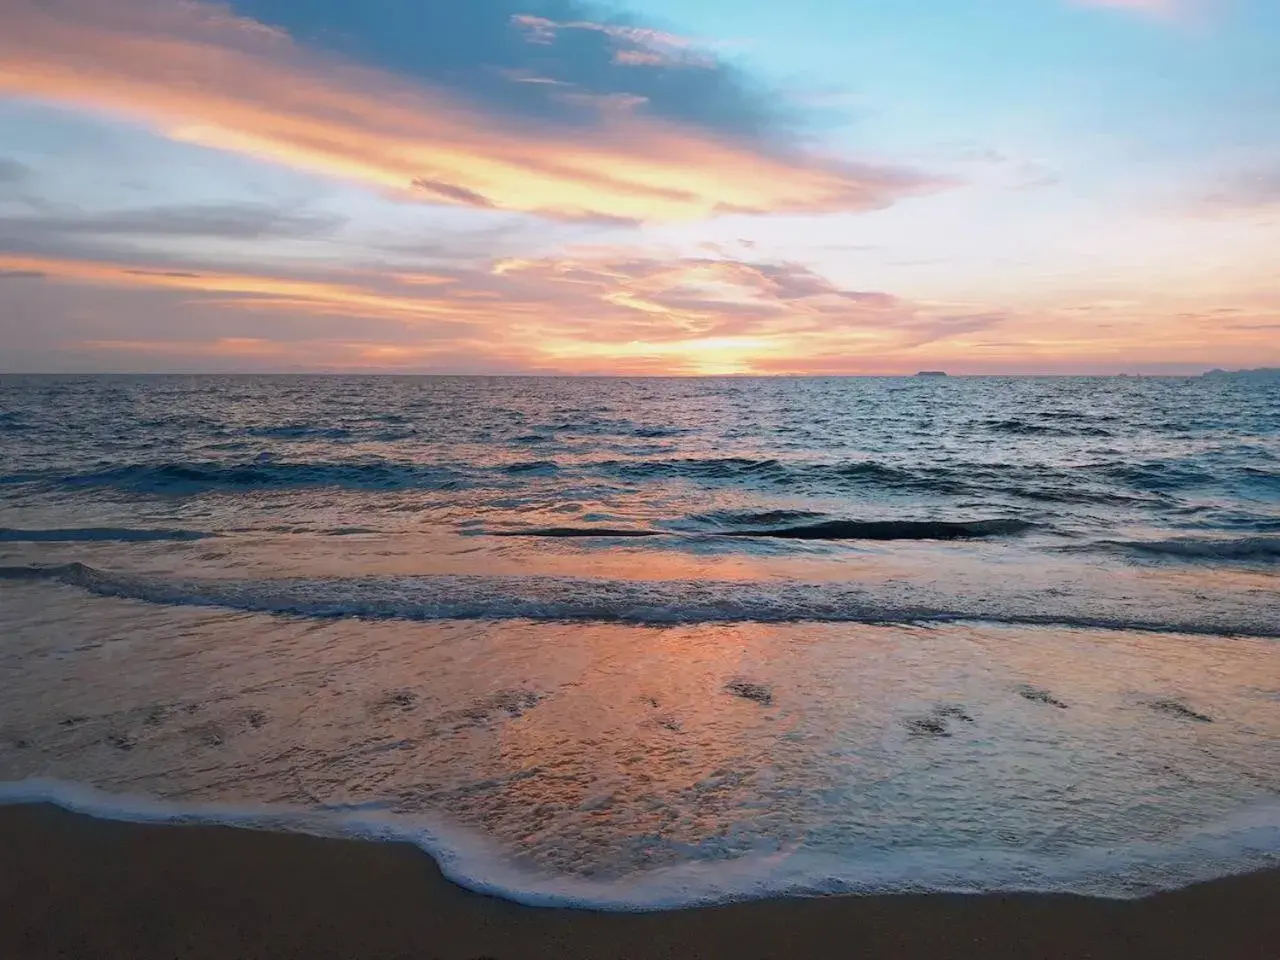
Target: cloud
(230,221)
(610,311)
(11,171)
(633,46)
(692,142)
(1248,192)
(623,311)
(450,192)
(475,47)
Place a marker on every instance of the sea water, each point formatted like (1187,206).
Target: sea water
(648,643)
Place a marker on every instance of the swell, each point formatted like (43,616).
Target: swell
(549,598)
(892,530)
(826,530)
(1244,841)
(98,534)
(1251,549)
(1151,484)
(206,475)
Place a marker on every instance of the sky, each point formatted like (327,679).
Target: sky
(651,187)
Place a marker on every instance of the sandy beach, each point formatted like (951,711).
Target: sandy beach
(71,886)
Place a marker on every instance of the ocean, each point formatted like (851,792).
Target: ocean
(648,643)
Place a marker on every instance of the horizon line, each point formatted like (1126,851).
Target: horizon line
(923,375)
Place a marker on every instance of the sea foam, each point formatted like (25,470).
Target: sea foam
(1248,840)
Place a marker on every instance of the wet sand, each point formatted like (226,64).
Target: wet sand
(79,888)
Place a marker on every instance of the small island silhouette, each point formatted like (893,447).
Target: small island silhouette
(1256,372)
(932,373)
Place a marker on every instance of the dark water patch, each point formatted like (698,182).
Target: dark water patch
(892,530)
(1192,549)
(926,727)
(298,431)
(156,715)
(1261,479)
(827,530)
(757,692)
(395,436)
(937,722)
(753,518)
(1040,695)
(403,700)
(1028,428)
(121,741)
(104,534)
(505,704)
(210,476)
(659,433)
(576,532)
(542,467)
(715,468)
(1020,427)
(1176,708)
(1157,476)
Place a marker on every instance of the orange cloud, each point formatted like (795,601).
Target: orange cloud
(247,290)
(201,75)
(627,312)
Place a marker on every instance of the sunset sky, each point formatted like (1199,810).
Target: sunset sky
(656,187)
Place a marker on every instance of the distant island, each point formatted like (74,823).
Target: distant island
(932,373)
(1256,372)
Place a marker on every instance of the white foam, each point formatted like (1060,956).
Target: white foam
(1247,841)
(458,597)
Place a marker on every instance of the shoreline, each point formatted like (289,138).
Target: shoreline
(75,886)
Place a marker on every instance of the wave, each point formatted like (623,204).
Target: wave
(1094,486)
(826,530)
(1157,476)
(655,433)
(658,602)
(711,468)
(1029,429)
(753,518)
(532,466)
(106,534)
(298,431)
(892,530)
(1247,840)
(1264,549)
(576,532)
(202,476)
(1150,485)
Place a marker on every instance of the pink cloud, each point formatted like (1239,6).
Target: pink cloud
(201,75)
(620,311)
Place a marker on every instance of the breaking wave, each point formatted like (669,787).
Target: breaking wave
(1246,841)
(552,598)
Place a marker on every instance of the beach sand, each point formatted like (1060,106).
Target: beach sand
(80,888)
